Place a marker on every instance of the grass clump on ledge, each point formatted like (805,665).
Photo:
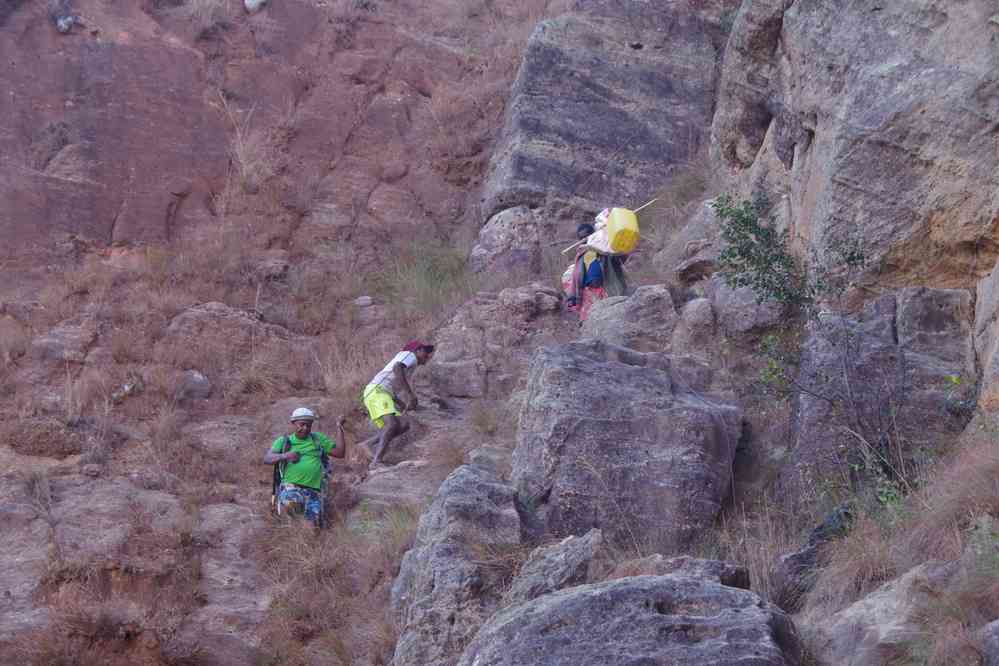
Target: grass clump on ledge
(426,279)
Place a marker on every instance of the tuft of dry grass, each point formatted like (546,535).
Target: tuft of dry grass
(755,540)
(206,14)
(254,151)
(426,279)
(853,565)
(485,417)
(963,489)
(41,436)
(38,489)
(332,606)
(503,561)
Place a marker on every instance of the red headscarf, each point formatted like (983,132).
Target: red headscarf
(414,345)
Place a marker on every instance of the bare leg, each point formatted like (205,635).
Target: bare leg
(394,426)
(365,446)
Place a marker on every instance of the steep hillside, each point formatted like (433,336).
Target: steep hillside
(219,211)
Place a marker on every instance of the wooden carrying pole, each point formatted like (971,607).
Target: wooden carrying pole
(645,205)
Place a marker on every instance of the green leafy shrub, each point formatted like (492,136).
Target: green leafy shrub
(756,255)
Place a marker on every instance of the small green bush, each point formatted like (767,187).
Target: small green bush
(756,255)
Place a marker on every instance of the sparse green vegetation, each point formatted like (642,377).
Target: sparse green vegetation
(757,255)
(426,279)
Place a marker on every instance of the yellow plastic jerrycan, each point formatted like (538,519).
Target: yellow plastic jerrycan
(622,230)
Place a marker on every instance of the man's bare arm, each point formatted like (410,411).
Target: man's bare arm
(399,370)
(271,457)
(340,451)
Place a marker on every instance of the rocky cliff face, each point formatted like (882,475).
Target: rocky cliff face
(873,121)
(298,147)
(108,132)
(607,100)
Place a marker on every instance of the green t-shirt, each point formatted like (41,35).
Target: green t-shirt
(308,471)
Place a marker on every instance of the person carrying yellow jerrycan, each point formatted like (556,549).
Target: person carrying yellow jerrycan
(598,270)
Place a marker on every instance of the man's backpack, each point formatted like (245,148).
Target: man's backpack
(279,467)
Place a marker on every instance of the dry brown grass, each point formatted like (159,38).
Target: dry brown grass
(854,565)
(85,633)
(963,489)
(41,436)
(426,279)
(754,540)
(254,150)
(206,14)
(502,561)
(332,604)
(952,517)
(486,417)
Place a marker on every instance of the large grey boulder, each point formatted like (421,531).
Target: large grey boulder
(643,321)
(572,561)
(68,341)
(695,329)
(739,311)
(483,348)
(510,240)
(883,378)
(446,587)
(652,465)
(606,99)
(640,620)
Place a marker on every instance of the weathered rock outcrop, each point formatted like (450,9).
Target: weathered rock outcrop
(510,240)
(446,587)
(483,349)
(573,561)
(644,619)
(643,321)
(725,573)
(25,551)
(885,377)
(653,465)
(213,338)
(606,100)
(990,644)
(877,121)
(235,594)
(986,334)
(107,132)
(67,342)
(73,526)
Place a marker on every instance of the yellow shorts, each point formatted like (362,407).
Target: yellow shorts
(379,403)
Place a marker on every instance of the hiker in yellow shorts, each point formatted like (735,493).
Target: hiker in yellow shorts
(379,396)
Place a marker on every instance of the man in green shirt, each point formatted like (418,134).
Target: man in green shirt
(301,457)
